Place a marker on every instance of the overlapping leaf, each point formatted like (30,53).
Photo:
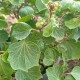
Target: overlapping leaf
(32,74)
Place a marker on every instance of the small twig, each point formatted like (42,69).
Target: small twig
(20,7)
(16,12)
(51,7)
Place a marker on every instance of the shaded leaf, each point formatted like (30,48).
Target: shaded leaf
(3,24)
(3,36)
(5,68)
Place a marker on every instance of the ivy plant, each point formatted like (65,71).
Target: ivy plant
(39,39)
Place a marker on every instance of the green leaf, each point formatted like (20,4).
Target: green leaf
(25,19)
(70,49)
(21,30)
(3,36)
(52,29)
(36,37)
(50,55)
(5,57)
(32,23)
(73,23)
(40,5)
(32,1)
(72,6)
(5,68)
(23,55)
(46,1)
(66,4)
(76,34)
(69,77)
(25,11)
(5,77)
(0,0)
(16,2)
(3,24)
(54,73)
(48,40)
(47,31)
(2,17)
(76,73)
(32,74)
(58,33)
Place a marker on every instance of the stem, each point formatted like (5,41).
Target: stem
(1,52)
(16,12)
(20,7)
